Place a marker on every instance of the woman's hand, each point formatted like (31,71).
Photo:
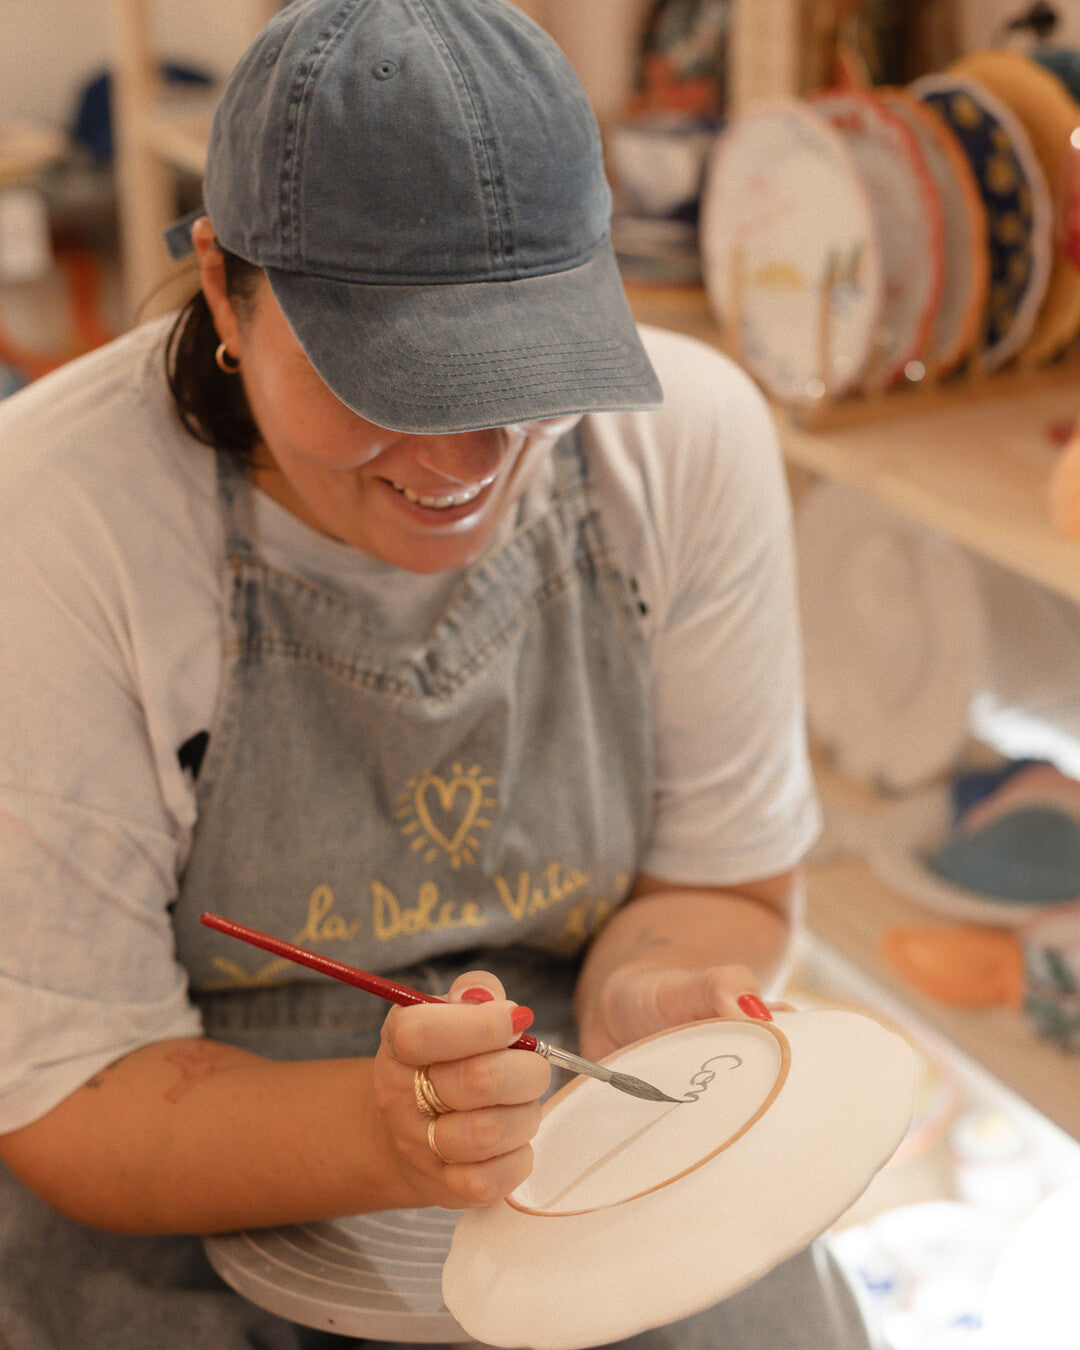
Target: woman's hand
(675,953)
(492,1094)
(639,1000)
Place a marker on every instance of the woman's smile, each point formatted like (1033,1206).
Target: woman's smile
(445,501)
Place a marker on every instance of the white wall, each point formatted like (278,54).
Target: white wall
(50,49)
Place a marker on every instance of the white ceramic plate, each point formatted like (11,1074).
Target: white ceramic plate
(893,635)
(907,206)
(790,251)
(639,1214)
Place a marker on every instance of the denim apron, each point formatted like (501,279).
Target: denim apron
(479,799)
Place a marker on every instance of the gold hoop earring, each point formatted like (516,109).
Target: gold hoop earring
(229,364)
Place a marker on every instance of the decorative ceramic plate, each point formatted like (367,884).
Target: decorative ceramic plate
(790,251)
(908,834)
(376,1276)
(894,637)
(909,213)
(957,325)
(1049,115)
(780,1127)
(1018,206)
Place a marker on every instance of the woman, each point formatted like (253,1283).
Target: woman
(376,605)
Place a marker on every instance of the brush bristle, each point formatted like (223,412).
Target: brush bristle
(626,1082)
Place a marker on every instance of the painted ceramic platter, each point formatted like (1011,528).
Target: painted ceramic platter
(1018,205)
(790,251)
(957,325)
(779,1128)
(893,634)
(376,1276)
(1049,114)
(908,834)
(909,213)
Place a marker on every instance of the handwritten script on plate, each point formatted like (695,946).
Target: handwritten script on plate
(596,1148)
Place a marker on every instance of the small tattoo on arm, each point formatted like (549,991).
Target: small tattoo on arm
(194,1064)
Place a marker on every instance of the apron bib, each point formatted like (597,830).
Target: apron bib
(412,808)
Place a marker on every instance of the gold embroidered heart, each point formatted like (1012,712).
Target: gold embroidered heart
(446,813)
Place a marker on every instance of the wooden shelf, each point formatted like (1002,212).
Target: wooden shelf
(971,459)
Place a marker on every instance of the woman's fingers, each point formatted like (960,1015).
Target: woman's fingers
(481,1136)
(503,1077)
(461,1107)
(432,1032)
(465,1185)
(476,986)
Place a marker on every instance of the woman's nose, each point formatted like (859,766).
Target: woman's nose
(463,457)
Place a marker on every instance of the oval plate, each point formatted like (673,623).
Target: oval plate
(790,252)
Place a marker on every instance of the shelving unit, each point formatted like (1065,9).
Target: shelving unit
(973,462)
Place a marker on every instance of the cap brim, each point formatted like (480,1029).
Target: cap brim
(444,358)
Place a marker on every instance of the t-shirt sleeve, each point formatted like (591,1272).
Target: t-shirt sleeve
(734,794)
(88,851)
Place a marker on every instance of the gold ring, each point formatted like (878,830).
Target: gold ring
(433,1143)
(426,1109)
(428,1100)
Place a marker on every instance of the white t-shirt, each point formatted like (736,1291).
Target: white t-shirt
(111,654)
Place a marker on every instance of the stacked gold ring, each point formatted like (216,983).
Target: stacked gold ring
(427,1099)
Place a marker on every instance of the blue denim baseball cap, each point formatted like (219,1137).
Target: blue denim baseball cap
(423,182)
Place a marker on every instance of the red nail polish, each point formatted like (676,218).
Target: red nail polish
(521,1018)
(477,994)
(752,1006)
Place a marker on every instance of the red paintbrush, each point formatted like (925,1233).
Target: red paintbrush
(402,994)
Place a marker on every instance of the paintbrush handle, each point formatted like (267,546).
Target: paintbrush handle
(379,985)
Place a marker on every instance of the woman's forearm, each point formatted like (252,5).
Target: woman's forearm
(193,1136)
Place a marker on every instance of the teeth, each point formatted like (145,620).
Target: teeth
(460,498)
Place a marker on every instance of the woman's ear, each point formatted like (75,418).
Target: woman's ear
(212,280)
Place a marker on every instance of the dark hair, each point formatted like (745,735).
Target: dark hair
(210,403)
